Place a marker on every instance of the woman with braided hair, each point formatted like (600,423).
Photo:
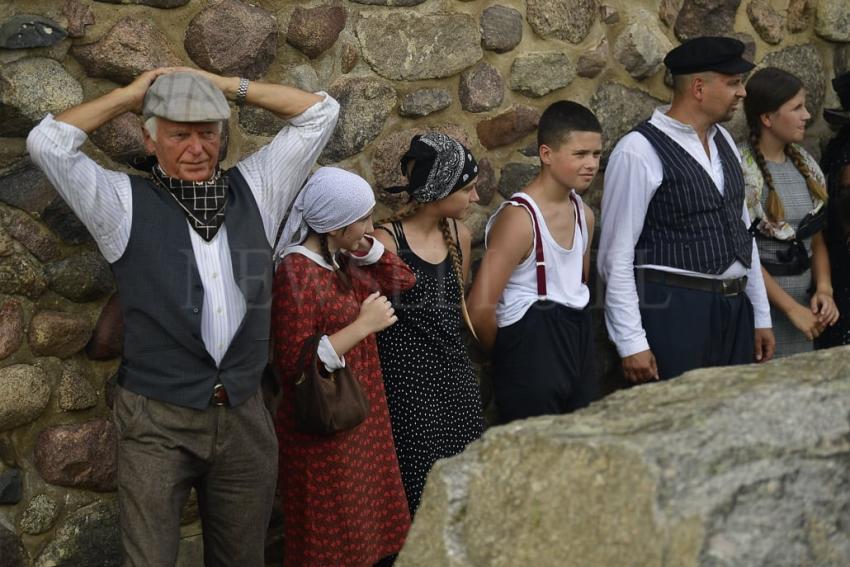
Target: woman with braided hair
(786,198)
(432,391)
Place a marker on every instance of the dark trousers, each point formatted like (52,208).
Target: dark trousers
(228,454)
(688,329)
(543,363)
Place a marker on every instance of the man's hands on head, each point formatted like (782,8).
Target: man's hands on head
(640,367)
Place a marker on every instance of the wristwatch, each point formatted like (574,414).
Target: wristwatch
(242,92)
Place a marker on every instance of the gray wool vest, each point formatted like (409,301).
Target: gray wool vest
(162,297)
(689,224)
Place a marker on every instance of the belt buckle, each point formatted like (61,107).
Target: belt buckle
(219,397)
(729,288)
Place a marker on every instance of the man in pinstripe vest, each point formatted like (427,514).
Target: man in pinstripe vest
(684,283)
(191,250)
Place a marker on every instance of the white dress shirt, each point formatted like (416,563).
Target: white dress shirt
(102,200)
(633,175)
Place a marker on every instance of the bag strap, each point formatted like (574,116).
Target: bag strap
(538,246)
(308,356)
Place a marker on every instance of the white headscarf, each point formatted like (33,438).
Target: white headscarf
(332,199)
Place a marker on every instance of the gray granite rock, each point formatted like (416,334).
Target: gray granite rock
(481,88)
(11,549)
(89,536)
(59,334)
(365,104)
(705,17)
(39,515)
(259,121)
(59,217)
(619,109)
(832,20)
(735,466)
(26,188)
(81,278)
(11,327)
(11,489)
(26,31)
(515,176)
(349,52)
(107,340)
(24,393)
(29,89)
(233,38)
(609,14)
(806,63)
(567,20)
(314,30)
(131,47)
(592,62)
(641,48)
(303,77)
(19,275)
(33,235)
(82,455)
(79,17)
(75,392)
(501,28)
(799,15)
(486,186)
(767,22)
(7,243)
(668,11)
(409,46)
(538,74)
(423,102)
(507,127)
(121,138)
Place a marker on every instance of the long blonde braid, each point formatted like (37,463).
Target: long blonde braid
(775,210)
(816,189)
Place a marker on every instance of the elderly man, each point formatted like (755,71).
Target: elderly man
(191,250)
(675,228)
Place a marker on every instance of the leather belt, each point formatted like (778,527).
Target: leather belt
(728,288)
(219,396)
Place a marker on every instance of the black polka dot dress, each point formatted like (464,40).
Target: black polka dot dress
(432,392)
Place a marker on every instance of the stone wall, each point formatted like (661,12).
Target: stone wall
(482,70)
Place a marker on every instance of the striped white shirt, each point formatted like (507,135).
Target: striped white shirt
(633,175)
(102,200)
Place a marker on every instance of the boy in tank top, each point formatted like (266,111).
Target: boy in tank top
(529,301)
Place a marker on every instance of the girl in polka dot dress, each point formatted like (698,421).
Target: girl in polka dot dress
(343,501)
(432,391)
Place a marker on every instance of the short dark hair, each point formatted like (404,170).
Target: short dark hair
(561,119)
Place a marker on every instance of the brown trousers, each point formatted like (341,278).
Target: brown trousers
(228,454)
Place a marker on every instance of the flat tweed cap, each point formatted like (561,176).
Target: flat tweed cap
(185,97)
(718,54)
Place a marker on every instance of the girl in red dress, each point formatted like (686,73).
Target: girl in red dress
(343,501)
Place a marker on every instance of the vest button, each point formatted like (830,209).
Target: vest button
(195,310)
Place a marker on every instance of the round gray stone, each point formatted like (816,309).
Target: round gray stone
(501,28)
(832,20)
(20,275)
(81,278)
(619,109)
(706,17)
(538,74)
(641,48)
(24,394)
(516,176)
(314,30)
(29,89)
(35,237)
(592,62)
(767,22)
(131,47)
(406,46)
(481,88)
(90,536)
(303,77)
(567,20)
(26,31)
(39,515)
(233,38)
(424,102)
(806,63)
(25,187)
(59,334)
(799,15)
(75,392)
(365,104)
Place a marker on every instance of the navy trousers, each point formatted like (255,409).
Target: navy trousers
(689,329)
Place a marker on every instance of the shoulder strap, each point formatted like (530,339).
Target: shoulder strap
(538,246)
(390,232)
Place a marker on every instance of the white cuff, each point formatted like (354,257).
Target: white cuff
(372,256)
(328,355)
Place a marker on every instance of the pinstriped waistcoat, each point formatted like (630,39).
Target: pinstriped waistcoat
(162,297)
(689,224)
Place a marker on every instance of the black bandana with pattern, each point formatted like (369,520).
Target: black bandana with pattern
(202,201)
(441,166)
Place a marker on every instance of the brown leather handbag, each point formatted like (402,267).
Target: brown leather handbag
(325,405)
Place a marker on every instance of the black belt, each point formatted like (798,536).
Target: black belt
(726,287)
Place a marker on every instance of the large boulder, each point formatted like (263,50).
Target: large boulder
(32,87)
(832,20)
(55,333)
(705,17)
(539,73)
(805,62)
(734,466)
(24,393)
(567,20)
(314,30)
(78,456)
(406,46)
(641,48)
(90,536)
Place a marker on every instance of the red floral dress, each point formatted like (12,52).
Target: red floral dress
(343,500)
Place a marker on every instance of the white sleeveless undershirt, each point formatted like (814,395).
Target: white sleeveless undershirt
(563,270)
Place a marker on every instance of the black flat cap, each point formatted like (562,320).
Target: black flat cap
(719,54)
